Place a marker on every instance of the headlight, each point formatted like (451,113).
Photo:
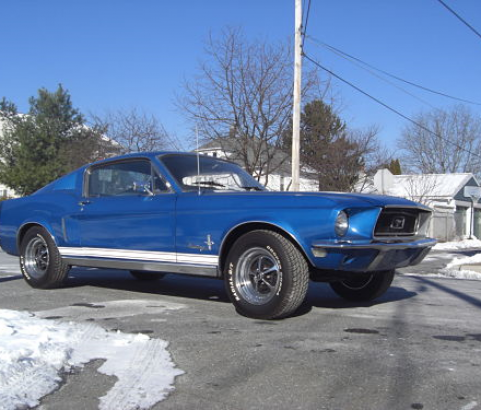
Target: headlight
(342,224)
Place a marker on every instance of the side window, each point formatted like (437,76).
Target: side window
(124,178)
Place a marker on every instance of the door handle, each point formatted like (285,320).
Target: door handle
(83,203)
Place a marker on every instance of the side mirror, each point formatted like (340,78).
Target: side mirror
(142,188)
(146,189)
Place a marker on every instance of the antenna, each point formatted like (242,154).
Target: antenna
(198,157)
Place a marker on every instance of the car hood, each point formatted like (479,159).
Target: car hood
(342,197)
(308,199)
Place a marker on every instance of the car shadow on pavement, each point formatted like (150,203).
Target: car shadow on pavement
(171,285)
(319,295)
(10,278)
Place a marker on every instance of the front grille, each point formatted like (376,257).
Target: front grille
(397,222)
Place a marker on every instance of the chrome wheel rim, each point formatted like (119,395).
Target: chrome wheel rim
(358,283)
(258,277)
(36,258)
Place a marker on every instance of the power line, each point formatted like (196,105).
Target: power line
(461,19)
(389,107)
(343,53)
(307,17)
(305,21)
(371,71)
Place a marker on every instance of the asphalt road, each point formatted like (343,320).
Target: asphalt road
(417,347)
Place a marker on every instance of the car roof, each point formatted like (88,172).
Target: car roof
(148,154)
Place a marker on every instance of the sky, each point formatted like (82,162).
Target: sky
(123,54)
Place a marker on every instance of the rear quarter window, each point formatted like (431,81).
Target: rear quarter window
(67,183)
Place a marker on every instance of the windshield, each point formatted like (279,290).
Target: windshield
(214,174)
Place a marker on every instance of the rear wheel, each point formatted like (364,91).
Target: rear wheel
(146,275)
(40,261)
(364,287)
(266,276)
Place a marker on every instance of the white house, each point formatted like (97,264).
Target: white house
(456,213)
(279,177)
(5,192)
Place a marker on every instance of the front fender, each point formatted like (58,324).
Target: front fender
(302,227)
(249,225)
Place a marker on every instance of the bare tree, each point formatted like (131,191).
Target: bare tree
(454,145)
(373,154)
(376,154)
(420,188)
(243,92)
(136,131)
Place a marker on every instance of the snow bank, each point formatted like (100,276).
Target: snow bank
(467,260)
(459,268)
(452,246)
(450,273)
(34,351)
(459,274)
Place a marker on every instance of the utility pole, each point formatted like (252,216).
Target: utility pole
(296,114)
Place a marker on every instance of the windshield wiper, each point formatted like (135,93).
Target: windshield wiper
(252,188)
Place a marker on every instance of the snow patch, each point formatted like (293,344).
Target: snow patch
(111,309)
(34,351)
(470,406)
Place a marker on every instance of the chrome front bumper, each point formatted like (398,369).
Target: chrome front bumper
(386,255)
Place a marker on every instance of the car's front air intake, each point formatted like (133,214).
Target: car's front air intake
(401,222)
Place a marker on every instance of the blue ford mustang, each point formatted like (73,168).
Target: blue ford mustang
(157,213)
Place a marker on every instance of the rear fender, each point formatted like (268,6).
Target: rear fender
(30,224)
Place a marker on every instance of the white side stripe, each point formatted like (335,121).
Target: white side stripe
(197,259)
(140,255)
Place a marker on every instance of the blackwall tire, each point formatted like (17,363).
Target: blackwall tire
(146,276)
(40,261)
(365,287)
(266,276)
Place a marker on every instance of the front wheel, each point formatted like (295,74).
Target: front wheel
(364,287)
(40,261)
(266,276)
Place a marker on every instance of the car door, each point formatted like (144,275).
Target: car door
(126,208)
